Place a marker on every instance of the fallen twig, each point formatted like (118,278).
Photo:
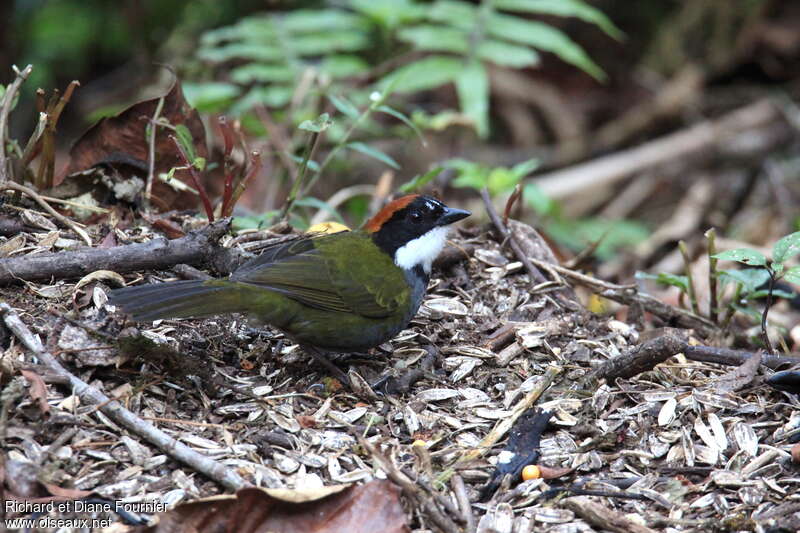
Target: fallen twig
(197,247)
(640,358)
(55,214)
(603,517)
(726,356)
(426,503)
(629,295)
(116,412)
(536,275)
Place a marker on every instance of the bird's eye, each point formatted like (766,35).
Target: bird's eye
(415,217)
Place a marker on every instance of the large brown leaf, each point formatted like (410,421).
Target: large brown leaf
(367,508)
(120,142)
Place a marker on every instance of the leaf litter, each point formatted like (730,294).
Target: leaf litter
(675,448)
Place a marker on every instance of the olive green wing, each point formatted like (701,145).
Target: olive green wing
(364,276)
(330,272)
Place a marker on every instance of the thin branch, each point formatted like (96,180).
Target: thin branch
(116,412)
(195,179)
(687,263)
(301,176)
(197,247)
(713,302)
(764,332)
(5,110)
(151,151)
(536,275)
(55,214)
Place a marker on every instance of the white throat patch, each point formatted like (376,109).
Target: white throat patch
(422,250)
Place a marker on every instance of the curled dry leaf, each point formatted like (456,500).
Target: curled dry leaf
(739,377)
(374,506)
(38,390)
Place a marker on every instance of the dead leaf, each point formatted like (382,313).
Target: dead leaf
(121,143)
(367,508)
(38,390)
(739,377)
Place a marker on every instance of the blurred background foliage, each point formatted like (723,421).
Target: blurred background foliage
(489,91)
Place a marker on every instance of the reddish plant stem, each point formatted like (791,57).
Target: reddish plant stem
(196,179)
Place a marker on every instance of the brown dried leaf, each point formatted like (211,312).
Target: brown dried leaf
(121,142)
(739,377)
(38,390)
(367,508)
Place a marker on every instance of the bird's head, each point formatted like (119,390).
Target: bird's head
(413,229)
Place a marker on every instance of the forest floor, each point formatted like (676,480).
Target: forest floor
(494,353)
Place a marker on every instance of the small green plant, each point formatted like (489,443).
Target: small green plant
(766,271)
(750,285)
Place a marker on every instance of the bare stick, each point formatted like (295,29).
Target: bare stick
(713,312)
(151,151)
(727,356)
(603,517)
(197,247)
(410,489)
(640,358)
(116,412)
(5,110)
(55,214)
(201,190)
(687,263)
(536,275)
(628,295)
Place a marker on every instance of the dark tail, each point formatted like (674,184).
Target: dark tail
(179,299)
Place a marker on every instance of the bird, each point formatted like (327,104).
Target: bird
(342,292)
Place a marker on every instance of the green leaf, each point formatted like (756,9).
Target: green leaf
(667,279)
(312,165)
(274,96)
(310,201)
(750,278)
(792,275)
(343,66)
(318,125)
(501,180)
(544,37)
(257,72)
(786,247)
(419,181)
(324,43)
(472,86)
(743,255)
(254,52)
(458,14)
(526,167)
(344,106)
(436,38)
(210,96)
(563,8)
(407,121)
(427,73)
(389,13)
(507,55)
(199,163)
(254,221)
(537,200)
(776,293)
(372,152)
(611,234)
(319,20)
(184,137)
